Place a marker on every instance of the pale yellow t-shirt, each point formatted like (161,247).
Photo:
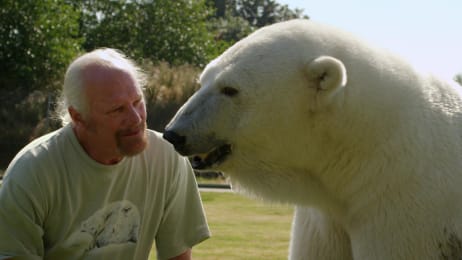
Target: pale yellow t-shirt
(58,203)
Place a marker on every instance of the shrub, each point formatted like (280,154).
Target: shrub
(167,89)
(28,119)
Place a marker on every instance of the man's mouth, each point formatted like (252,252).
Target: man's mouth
(132,132)
(212,158)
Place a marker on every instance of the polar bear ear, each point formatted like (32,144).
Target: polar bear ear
(327,75)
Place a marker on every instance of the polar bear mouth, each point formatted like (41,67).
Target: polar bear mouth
(212,158)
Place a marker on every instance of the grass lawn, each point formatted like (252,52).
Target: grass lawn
(243,228)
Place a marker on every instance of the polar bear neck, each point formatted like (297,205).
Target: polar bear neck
(287,186)
(345,173)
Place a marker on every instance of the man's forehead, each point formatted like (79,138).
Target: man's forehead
(110,85)
(101,73)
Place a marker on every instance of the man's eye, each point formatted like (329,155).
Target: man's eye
(138,102)
(116,110)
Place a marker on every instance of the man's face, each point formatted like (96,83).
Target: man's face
(115,125)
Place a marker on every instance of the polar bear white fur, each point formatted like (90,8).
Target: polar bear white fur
(366,147)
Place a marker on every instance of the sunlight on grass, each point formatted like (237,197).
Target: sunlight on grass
(243,228)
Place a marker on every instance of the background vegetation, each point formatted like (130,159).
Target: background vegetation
(172,40)
(458,78)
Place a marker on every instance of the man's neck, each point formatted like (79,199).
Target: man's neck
(100,154)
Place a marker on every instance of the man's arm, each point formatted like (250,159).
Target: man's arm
(185,256)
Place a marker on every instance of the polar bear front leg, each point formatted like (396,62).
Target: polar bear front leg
(315,236)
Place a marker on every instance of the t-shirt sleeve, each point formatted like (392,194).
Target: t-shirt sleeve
(184,223)
(20,233)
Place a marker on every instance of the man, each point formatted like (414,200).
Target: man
(102,186)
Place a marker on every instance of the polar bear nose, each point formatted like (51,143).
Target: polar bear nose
(177,140)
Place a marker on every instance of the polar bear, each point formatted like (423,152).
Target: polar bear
(367,148)
(118,222)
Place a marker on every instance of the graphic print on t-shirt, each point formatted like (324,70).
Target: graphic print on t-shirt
(116,223)
(113,229)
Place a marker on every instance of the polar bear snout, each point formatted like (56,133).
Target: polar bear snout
(213,156)
(178,141)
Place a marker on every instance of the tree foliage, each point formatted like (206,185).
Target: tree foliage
(458,78)
(235,19)
(262,12)
(228,30)
(160,30)
(37,39)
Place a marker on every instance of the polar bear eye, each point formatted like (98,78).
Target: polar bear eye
(229,91)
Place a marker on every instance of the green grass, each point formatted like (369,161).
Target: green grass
(243,228)
(203,180)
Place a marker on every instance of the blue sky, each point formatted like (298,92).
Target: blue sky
(428,33)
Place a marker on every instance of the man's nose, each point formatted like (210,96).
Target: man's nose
(135,115)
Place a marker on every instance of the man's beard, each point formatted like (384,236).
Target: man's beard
(130,146)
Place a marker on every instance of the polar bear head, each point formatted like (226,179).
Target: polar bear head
(278,101)
(259,94)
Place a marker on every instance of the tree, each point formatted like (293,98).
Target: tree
(235,19)
(35,44)
(229,29)
(160,30)
(458,78)
(37,40)
(262,12)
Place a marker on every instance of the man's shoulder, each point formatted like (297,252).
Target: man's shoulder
(42,144)
(36,153)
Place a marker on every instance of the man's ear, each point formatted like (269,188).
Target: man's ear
(327,76)
(76,117)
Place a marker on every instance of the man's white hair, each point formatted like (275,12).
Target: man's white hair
(73,91)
